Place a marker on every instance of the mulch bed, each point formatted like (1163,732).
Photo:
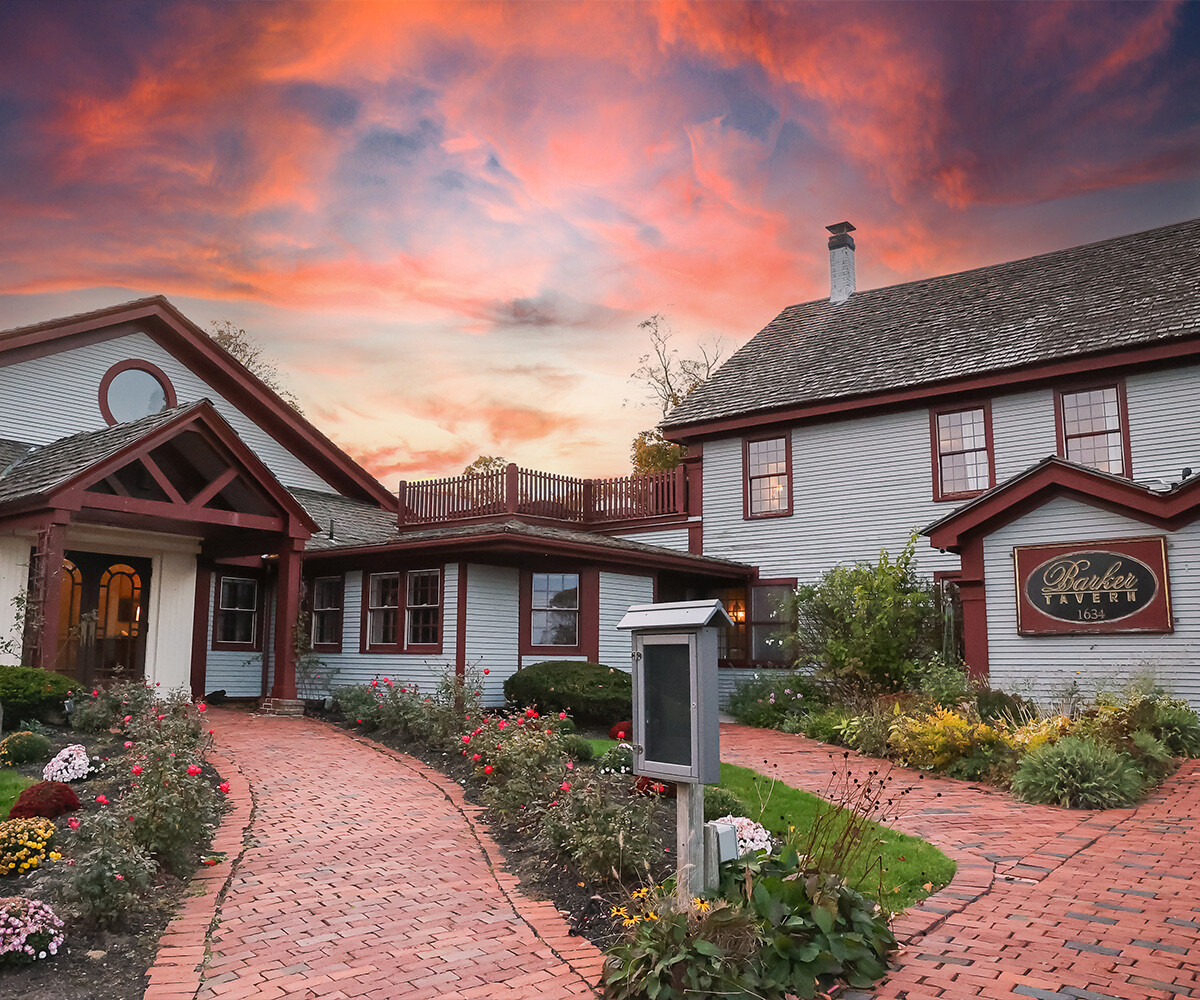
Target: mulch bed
(93,964)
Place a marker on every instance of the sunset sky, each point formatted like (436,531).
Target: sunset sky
(446,221)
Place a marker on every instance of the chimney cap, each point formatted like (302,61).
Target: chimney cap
(840,228)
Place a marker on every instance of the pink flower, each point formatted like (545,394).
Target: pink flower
(530,713)
(94,693)
(224,786)
(466,739)
(161,717)
(570,765)
(102,799)
(73,823)
(487,769)
(119,878)
(193,769)
(136,769)
(128,744)
(486,671)
(565,786)
(387,681)
(359,721)
(374,684)
(501,724)
(201,707)
(562,715)
(620,734)
(128,718)
(475,756)
(211,731)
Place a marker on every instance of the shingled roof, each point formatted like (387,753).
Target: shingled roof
(1120,293)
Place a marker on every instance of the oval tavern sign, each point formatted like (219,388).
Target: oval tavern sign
(1117,585)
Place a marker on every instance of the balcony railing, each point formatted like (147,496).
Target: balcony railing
(512,490)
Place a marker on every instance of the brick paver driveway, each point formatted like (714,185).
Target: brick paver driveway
(364,877)
(1047,903)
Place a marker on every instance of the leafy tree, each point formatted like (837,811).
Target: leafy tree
(669,378)
(485,463)
(868,624)
(249,352)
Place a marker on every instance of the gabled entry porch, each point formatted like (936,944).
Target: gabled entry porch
(120,529)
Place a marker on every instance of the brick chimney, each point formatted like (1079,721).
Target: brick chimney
(841,262)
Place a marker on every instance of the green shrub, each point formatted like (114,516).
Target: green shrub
(173,810)
(1079,774)
(618,760)
(106,873)
(603,829)
(1177,726)
(872,730)
(720,802)
(1153,758)
(945,683)
(359,704)
(522,764)
(939,739)
(578,748)
(23,748)
(29,693)
(773,697)
(867,624)
(829,725)
(592,693)
(994,705)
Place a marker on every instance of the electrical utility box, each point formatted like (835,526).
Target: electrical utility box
(675,726)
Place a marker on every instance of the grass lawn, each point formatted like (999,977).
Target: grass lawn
(11,784)
(908,864)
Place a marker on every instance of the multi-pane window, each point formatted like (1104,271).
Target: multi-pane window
(238,610)
(767,477)
(963,463)
(327,611)
(383,609)
(424,606)
(768,627)
(1091,429)
(554,609)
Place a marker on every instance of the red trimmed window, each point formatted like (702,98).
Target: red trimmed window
(415,625)
(236,623)
(963,459)
(554,610)
(1093,428)
(767,465)
(424,607)
(327,614)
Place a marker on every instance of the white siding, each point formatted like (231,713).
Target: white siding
(237,673)
(422,669)
(493,621)
(1164,432)
(1044,666)
(54,396)
(859,486)
(14,576)
(1023,432)
(617,592)
(729,680)
(667,538)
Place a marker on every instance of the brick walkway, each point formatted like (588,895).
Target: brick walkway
(1047,903)
(365,876)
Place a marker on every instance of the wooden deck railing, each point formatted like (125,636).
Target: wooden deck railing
(542,494)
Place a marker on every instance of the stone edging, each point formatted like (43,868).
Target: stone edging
(547,924)
(183,948)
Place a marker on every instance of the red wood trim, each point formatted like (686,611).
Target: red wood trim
(260,614)
(695,480)
(164,483)
(973,594)
(176,512)
(311,589)
(976,385)
(115,485)
(1060,432)
(202,498)
(200,613)
(582,634)
(747,514)
(696,538)
(460,624)
(424,648)
(287,609)
(589,613)
(134,364)
(50,570)
(936,458)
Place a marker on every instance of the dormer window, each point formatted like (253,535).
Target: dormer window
(134,389)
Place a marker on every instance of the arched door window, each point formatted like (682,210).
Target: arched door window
(68,614)
(120,608)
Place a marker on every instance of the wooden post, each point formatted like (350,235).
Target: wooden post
(511,488)
(689,840)
(46,610)
(287,609)
(402,497)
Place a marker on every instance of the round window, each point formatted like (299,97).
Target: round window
(134,389)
